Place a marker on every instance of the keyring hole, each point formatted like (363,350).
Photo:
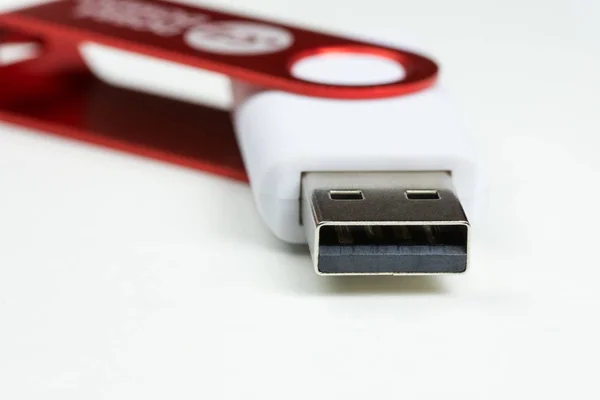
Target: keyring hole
(347,67)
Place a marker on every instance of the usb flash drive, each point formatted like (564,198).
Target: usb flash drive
(374,186)
(377,176)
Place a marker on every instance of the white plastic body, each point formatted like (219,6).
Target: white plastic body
(282,135)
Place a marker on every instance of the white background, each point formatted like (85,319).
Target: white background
(125,278)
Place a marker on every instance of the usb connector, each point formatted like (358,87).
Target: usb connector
(373,223)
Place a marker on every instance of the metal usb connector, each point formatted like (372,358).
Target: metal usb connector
(384,223)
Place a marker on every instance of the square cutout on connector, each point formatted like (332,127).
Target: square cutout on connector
(346,195)
(422,195)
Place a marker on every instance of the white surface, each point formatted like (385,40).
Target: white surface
(13,53)
(122,278)
(282,135)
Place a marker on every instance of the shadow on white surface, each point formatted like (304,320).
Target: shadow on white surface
(385,285)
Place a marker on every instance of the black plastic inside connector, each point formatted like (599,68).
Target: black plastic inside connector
(372,249)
